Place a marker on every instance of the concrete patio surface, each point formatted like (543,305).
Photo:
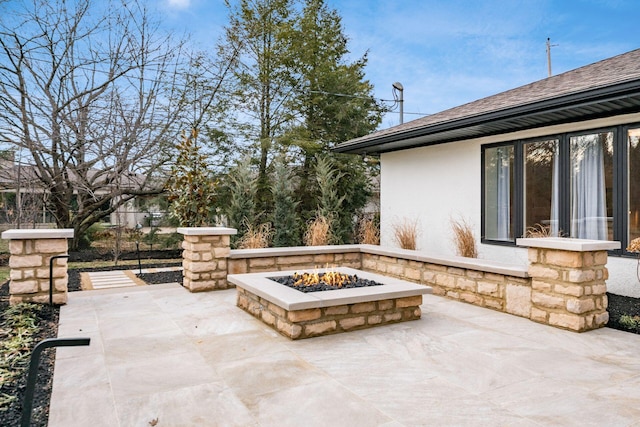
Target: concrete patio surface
(162,356)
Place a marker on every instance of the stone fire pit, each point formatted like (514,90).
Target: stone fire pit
(300,315)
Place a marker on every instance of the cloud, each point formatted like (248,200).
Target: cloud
(178,4)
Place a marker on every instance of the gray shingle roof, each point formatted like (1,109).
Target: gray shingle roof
(594,82)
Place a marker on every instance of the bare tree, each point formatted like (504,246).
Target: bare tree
(91,91)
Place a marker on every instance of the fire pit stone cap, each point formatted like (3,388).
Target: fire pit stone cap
(291,299)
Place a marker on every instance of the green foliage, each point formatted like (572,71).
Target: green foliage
(191,190)
(329,202)
(172,240)
(261,29)
(241,210)
(18,326)
(630,322)
(152,237)
(286,223)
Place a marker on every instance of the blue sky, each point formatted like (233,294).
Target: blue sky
(447,53)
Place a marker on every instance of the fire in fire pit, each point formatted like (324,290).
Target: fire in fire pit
(327,281)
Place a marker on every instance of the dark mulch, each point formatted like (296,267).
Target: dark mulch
(620,306)
(88,255)
(48,325)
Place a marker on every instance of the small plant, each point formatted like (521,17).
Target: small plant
(318,232)
(463,238)
(406,233)
(634,245)
(630,322)
(539,230)
(256,238)
(368,231)
(17,331)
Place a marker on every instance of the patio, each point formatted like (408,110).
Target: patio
(162,356)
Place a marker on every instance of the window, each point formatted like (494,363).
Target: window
(591,186)
(584,185)
(633,183)
(542,187)
(499,193)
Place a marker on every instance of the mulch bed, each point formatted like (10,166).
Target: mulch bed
(48,328)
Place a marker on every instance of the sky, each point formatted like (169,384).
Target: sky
(446,53)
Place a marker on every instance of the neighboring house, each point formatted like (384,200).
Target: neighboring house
(23,199)
(561,154)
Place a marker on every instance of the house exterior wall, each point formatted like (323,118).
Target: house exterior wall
(433,184)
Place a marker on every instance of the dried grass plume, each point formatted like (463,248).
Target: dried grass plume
(368,232)
(318,232)
(406,233)
(256,238)
(463,238)
(634,245)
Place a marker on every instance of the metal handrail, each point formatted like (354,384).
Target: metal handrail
(27,404)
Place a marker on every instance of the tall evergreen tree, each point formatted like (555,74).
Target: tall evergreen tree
(241,208)
(286,224)
(334,104)
(260,31)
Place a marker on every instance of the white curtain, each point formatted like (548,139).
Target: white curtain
(503,179)
(554,228)
(588,197)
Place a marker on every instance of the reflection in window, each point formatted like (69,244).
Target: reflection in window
(541,187)
(633,182)
(498,193)
(591,186)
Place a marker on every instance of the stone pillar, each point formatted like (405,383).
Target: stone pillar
(568,288)
(204,259)
(31,252)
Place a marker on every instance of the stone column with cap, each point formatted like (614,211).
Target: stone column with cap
(204,259)
(568,288)
(31,252)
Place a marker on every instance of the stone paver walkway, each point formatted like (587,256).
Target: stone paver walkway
(162,356)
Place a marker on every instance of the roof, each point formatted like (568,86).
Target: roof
(606,88)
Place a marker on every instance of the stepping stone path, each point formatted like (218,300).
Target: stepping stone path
(120,278)
(112,279)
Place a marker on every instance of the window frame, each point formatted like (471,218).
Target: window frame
(619,183)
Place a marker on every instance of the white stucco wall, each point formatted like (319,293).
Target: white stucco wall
(435,183)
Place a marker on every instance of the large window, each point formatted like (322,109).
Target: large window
(591,173)
(541,187)
(584,185)
(499,193)
(633,183)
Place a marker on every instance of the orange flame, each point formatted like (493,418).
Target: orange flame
(331,278)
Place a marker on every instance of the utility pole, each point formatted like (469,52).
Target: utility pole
(549,46)
(399,89)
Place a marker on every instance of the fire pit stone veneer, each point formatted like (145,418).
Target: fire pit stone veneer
(300,315)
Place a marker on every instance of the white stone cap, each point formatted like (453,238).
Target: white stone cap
(567,244)
(292,299)
(207,231)
(31,234)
